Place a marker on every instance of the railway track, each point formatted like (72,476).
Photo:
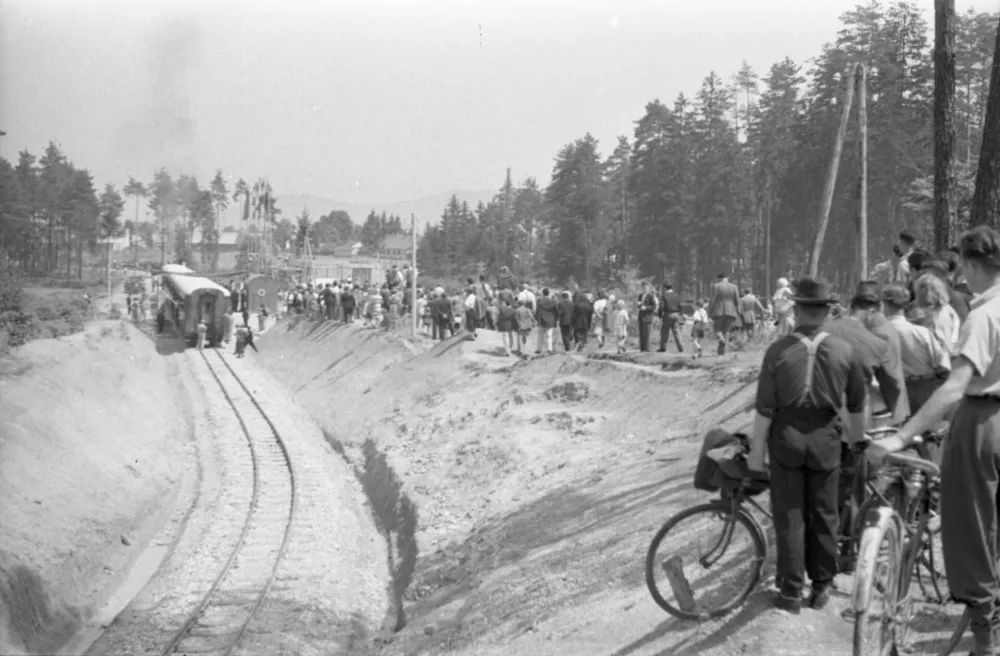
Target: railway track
(222,615)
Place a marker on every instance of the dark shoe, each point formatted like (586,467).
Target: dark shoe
(819,597)
(788,601)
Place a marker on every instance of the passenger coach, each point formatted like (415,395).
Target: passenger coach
(188,298)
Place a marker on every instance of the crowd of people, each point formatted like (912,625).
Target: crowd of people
(917,345)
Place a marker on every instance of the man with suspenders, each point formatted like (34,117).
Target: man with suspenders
(806,378)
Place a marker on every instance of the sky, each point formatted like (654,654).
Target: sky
(365,100)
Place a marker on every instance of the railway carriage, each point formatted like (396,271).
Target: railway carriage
(191,299)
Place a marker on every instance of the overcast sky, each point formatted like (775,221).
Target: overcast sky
(369,101)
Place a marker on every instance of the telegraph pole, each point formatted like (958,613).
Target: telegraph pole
(413,267)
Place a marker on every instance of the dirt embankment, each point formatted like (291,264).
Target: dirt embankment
(92,427)
(538,484)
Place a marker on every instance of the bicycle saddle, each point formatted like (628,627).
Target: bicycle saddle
(902,459)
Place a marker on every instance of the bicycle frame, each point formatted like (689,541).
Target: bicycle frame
(735,498)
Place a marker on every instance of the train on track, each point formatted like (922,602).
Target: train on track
(188,298)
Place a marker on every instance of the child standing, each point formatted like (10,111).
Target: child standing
(621,325)
(202,332)
(700,321)
(525,324)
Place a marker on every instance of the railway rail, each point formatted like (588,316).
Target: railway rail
(221,617)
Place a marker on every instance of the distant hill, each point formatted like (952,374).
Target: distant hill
(427,209)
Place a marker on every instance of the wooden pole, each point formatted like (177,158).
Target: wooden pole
(831,176)
(944,122)
(413,266)
(862,82)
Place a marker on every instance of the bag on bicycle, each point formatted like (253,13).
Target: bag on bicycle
(722,465)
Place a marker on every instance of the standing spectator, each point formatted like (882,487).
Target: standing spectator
(442,313)
(547,316)
(566,319)
(609,318)
(202,331)
(472,311)
(671,317)
(723,309)
(583,314)
(908,243)
(418,310)
(528,297)
(328,300)
(227,326)
(931,294)
(506,280)
(600,312)
(621,325)
(699,324)
(261,319)
(348,303)
(245,304)
(749,307)
(507,325)
(525,324)
(647,309)
(783,305)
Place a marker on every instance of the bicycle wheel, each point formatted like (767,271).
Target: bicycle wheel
(877,585)
(705,561)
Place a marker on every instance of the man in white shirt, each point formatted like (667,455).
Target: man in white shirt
(926,361)
(525,295)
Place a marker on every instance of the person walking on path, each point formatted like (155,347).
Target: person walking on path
(600,312)
(671,318)
(806,378)
(566,320)
(784,319)
(621,325)
(507,326)
(723,309)
(547,316)
(699,324)
(970,465)
(583,314)
(525,324)
(749,308)
(647,310)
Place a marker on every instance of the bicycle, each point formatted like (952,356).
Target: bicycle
(706,574)
(898,541)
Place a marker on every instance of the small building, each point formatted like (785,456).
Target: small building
(347,250)
(396,247)
(262,291)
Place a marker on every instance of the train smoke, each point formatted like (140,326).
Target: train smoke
(164,132)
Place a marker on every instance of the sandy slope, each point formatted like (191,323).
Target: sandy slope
(539,486)
(92,431)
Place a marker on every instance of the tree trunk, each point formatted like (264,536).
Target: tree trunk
(944,122)
(831,177)
(986,200)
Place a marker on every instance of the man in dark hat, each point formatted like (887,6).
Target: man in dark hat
(883,372)
(807,378)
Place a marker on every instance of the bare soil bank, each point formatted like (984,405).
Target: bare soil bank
(92,427)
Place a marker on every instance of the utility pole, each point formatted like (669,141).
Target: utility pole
(862,82)
(831,176)
(413,267)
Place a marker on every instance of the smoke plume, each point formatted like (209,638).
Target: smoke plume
(164,130)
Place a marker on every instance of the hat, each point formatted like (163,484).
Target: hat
(896,295)
(810,291)
(866,293)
